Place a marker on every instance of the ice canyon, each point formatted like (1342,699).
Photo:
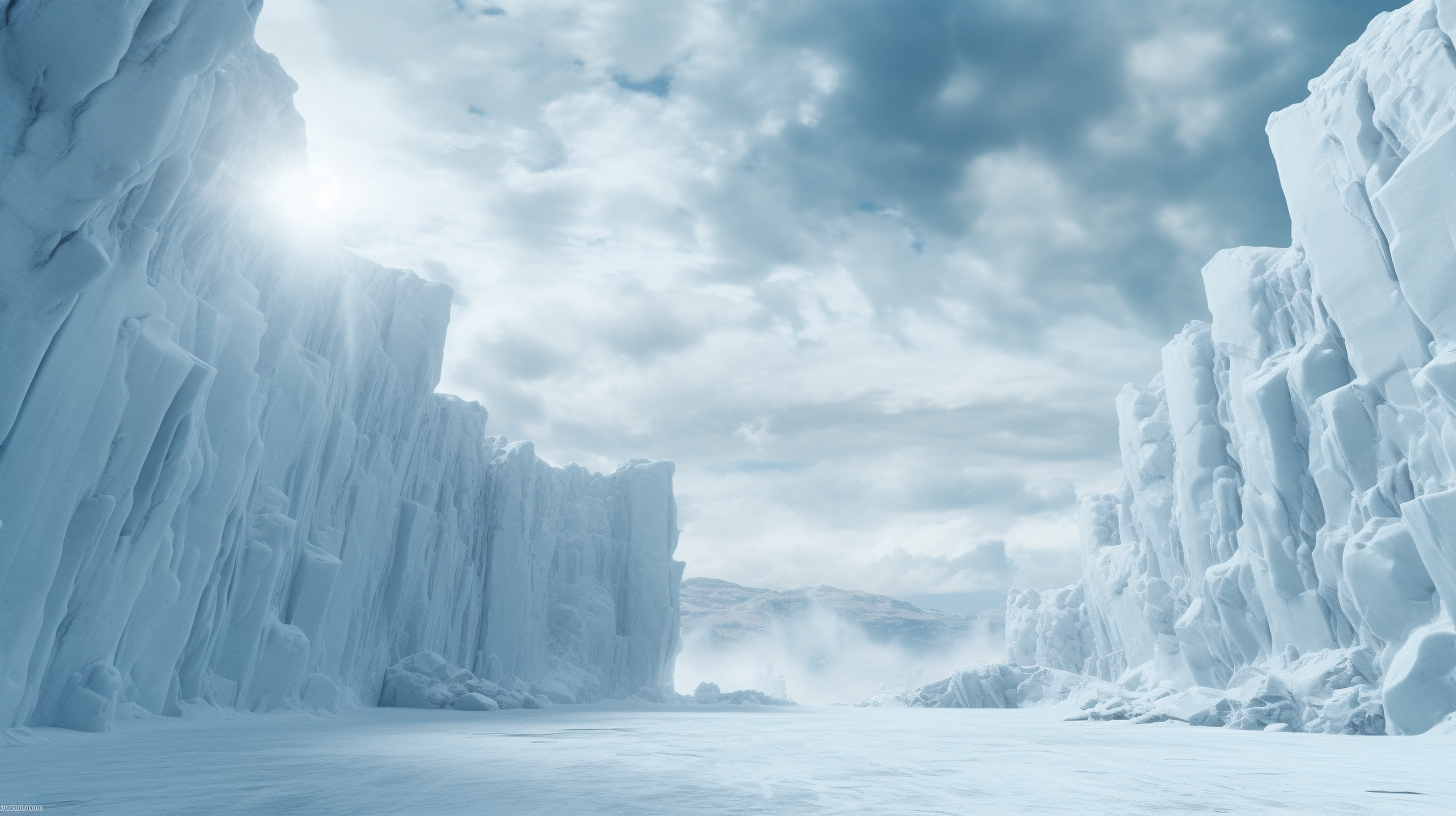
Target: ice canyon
(1286,526)
(226,481)
(225,478)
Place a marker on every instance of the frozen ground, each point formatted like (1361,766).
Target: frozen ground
(647,759)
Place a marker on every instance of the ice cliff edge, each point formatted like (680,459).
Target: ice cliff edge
(224,476)
(1290,477)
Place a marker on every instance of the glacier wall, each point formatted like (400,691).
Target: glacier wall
(1290,477)
(224,476)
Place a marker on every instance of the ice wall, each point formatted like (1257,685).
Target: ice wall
(224,476)
(1290,476)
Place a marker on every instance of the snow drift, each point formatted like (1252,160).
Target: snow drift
(1289,498)
(224,476)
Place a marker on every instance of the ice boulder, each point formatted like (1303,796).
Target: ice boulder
(427,680)
(1325,692)
(474,701)
(707,693)
(992,685)
(710,694)
(989,686)
(1420,685)
(407,689)
(1256,701)
(1354,710)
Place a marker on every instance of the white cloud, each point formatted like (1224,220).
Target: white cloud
(751,240)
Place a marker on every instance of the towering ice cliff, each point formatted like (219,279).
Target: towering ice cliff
(224,475)
(1289,503)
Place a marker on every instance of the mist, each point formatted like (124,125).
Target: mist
(815,656)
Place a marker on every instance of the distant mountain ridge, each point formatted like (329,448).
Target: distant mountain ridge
(728,614)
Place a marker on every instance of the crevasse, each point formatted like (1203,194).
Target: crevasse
(224,476)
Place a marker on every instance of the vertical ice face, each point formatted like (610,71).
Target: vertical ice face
(223,468)
(1290,476)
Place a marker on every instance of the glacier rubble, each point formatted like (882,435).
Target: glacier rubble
(710,694)
(225,477)
(991,685)
(1285,535)
(426,680)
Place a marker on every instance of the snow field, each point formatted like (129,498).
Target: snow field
(616,758)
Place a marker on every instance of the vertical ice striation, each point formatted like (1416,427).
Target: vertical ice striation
(1290,476)
(224,474)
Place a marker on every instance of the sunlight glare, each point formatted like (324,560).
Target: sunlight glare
(303,200)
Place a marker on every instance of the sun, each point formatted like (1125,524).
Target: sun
(302,200)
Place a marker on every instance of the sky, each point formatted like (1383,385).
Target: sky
(870,273)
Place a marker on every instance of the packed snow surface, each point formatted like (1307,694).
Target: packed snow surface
(1289,493)
(225,480)
(822,644)
(677,760)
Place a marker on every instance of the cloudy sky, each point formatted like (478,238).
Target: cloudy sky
(871,273)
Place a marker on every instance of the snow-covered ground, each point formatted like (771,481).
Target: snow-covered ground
(613,758)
